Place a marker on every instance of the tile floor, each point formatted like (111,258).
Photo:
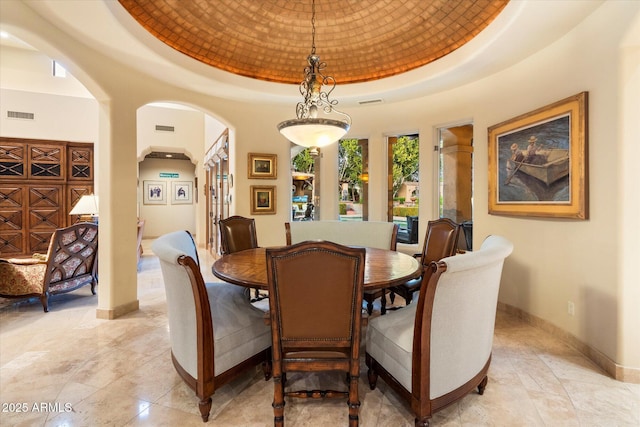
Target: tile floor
(67,368)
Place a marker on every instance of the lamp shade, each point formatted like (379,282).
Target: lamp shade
(87,205)
(313,132)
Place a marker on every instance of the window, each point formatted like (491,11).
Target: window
(303,185)
(353,178)
(404,179)
(59,70)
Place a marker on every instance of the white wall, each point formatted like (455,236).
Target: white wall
(165,218)
(31,71)
(188,138)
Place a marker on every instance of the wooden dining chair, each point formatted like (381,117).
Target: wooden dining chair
(315,322)
(238,233)
(440,242)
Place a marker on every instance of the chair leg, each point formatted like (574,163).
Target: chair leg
(371,373)
(369,307)
(205,408)
(278,401)
(353,402)
(482,386)
(409,297)
(383,303)
(266,369)
(422,422)
(44,300)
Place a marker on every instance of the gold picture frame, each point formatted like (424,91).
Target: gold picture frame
(538,162)
(263,199)
(262,166)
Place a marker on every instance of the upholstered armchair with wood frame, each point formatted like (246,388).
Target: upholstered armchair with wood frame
(215,332)
(238,233)
(316,322)
(436,351)
(440,241)
(70,263)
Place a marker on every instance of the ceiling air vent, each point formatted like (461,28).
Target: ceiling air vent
(163,128)
(370,101)
(20,115)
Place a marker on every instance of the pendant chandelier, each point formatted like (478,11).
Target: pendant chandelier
(309,130)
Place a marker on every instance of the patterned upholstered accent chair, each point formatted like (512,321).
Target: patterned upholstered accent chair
(436,351)
(316,322)
(215,332)
(70,263)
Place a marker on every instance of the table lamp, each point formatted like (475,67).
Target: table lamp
(86,208)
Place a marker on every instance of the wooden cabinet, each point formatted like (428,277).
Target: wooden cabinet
(40,181)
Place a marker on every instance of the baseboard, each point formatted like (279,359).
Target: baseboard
(616,371)
(114,313)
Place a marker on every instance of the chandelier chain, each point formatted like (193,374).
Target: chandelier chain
(308,129)
(313,27)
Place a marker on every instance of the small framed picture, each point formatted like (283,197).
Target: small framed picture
(263,199)
(155,193)
(182,193)
(263,166)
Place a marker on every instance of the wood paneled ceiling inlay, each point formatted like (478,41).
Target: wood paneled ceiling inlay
(360,40)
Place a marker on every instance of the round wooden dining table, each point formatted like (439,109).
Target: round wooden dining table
(383,268)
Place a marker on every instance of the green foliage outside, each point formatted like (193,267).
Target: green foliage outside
(349,165)
(342,208)
(405,161)
(405,211)
(303,162)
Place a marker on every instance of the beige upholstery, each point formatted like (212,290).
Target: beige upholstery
(370,234)
(198,312)
(431,356)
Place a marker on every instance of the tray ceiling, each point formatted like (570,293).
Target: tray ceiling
(360,40)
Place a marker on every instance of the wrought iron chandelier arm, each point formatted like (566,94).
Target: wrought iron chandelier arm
(308,129)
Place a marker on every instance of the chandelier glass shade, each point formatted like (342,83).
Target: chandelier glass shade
(309,130)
